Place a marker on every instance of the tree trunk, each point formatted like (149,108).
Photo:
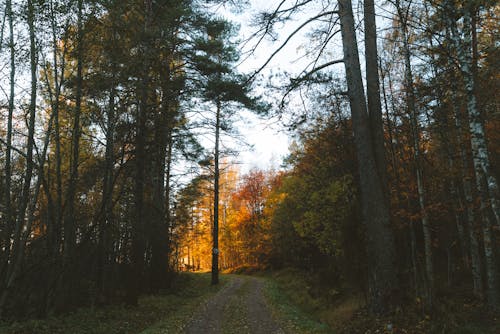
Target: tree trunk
(375,210)
(138,232)
(168,175)
(8,215)
(9,267)
(70,217)
(57,137)
(412,111)
(215,237)
(107,194)
(373,94)
(444,128)
(159,231)
(477,276)
(486,182)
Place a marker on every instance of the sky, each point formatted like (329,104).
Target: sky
(268,137)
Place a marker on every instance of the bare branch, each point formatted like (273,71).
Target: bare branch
(299,28)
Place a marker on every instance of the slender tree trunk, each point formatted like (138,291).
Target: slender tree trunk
(465,50)
(375,210)
(477,273)
(106,221)
(389,125)
(159,232)
(31,203)
(31,124)
(486,182)
(411,105)
(168,184)
(443,129)
(477,276)
(373,94)
(401,199)
(215,237)
(107,195)
(8,213)
(70,218)
(139,229)
(57,80)
(57,137)
(14,255)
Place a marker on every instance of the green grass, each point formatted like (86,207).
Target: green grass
(296,319)
(155,314)
(309,307)
(295,298)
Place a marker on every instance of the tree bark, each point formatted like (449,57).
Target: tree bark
(107,194)
(139,229)
(57,137)
(215,236)
(375,210)
(159,231)
(477,276)
(70,217)
(486,182)
(373,94)
(8,215)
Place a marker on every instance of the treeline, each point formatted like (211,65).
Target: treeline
(97,114)
(438,172)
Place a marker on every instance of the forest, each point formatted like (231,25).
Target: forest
(119,146)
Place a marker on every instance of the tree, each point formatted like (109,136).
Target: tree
(225,89)
(486,182)
(13,260)
(380,241)
(417,151)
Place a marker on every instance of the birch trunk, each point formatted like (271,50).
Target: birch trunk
(486,182)
(477,276)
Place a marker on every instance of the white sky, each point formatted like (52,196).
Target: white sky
(269,140)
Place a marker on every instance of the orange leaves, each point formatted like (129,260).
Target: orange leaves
(243,220)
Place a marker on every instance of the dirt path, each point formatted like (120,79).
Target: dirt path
(240,307)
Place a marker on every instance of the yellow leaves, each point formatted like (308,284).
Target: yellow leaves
(244,224)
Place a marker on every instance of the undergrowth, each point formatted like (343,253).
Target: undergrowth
(313,307)
(310,307)
(162,313)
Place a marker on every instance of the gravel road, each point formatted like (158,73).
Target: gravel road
(240,307)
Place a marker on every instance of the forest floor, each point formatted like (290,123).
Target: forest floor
(287,301)
(239,304)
